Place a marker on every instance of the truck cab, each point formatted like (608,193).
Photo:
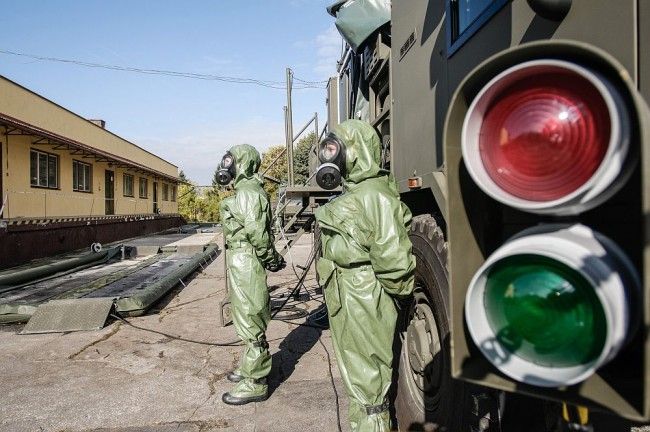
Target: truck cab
(518,133)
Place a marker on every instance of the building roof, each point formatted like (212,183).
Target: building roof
(27,113)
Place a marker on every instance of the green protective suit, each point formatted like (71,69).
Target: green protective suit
(366,261)
(246,221)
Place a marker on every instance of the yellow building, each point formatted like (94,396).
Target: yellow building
(61,172)
(56,164)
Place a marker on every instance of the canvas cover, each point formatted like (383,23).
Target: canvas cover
(357,20)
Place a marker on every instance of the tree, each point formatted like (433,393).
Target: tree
(187,196)
(301,157)
(210,200)
(277,171)
(197,204)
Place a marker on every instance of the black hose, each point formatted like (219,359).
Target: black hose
(236,342)
(300,283)
(292,313)
(295,313)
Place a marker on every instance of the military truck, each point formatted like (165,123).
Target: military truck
(518,132)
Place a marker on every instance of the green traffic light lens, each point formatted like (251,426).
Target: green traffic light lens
(544,311)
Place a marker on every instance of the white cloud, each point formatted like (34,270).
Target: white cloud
(199,153)
(328,50)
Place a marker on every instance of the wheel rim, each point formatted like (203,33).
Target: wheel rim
(422,350)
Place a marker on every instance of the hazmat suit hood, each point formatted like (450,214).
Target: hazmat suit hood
(247,163)
(362,150)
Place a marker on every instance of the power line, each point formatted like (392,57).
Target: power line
(322,82)
(207,77)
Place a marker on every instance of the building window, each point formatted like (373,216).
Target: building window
(466,18)
(128,185)
(44,169)
(174,193)
(144,187)
(81,176)
(165,192)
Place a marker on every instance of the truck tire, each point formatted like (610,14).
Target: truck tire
(425,395)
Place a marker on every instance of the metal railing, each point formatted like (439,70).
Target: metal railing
(290,172)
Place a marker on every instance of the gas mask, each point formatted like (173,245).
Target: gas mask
(226,169)
(331,154)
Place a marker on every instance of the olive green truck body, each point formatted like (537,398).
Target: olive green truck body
(415,79)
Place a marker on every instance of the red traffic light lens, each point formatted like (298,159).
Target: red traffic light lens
(545,136)
(549,136)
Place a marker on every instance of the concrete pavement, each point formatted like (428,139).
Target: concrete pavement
(126,379)
(131,380)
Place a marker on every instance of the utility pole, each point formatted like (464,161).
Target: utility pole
(315,148)
(289,128)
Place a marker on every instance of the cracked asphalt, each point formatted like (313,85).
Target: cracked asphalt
(126,379)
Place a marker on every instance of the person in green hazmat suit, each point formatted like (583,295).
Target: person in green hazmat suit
(366,262)
(246,222)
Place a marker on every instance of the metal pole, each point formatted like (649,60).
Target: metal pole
(285,124)
(304,128)
(286,135)
(277,158)
(314,149)
(289,129)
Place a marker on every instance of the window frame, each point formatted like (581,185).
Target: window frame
(124,191)
(56,176)
(165,192)
(452,20)
(174,193)
(90,176)
(145,181)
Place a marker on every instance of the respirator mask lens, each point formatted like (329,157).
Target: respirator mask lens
(329,150)
(226,171)
(227,161)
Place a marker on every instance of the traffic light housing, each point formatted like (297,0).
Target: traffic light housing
(548,261)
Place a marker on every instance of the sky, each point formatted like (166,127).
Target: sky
(189,122)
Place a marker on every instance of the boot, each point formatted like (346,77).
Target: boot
(247,391)
(234,377)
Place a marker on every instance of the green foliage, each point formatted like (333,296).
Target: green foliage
(187,194)
(301,156)
(200,204)
(276,171)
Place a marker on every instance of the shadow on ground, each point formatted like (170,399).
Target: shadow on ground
(298,342)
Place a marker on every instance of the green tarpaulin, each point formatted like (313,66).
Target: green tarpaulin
(357,20)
